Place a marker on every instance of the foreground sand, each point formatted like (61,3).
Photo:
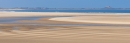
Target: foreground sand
(99,34)
(65,34)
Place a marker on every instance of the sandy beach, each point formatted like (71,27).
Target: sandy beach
(33,14)
(25,31)
(106,19)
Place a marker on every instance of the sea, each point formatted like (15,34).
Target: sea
(74,11)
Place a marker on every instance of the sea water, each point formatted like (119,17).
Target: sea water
(75,11)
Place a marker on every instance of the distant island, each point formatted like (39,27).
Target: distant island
(43,8)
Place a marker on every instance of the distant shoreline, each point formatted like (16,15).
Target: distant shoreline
(67,11)
(12,9)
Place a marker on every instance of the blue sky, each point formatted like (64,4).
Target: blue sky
(66,3)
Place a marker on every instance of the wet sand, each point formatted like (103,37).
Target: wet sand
(28,32)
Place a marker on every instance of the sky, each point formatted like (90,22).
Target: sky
(66,3)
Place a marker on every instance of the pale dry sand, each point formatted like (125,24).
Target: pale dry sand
(104,19)
(71,34)
(33,14)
